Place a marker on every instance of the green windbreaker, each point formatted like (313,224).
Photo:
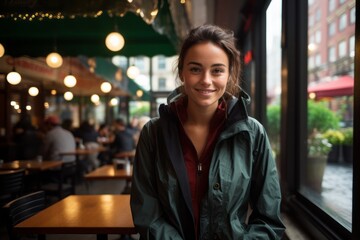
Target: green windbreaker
(242,174)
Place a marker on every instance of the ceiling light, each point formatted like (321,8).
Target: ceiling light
(114,102)
(13,78)
(114,41)
(54,60)
(132,72)
(105,87)
(33,91)
(2,50)
(139,93)
(70,81)
(68,96)
(95,98)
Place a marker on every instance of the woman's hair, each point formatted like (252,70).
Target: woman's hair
(222,38)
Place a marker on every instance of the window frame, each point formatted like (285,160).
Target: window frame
(294,120)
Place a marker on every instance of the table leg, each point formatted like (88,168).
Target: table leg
(101,236)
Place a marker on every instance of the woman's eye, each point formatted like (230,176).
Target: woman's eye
(195,70)
(218,71)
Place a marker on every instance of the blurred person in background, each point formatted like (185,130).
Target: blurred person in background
(57,140)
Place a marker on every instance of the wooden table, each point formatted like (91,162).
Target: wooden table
(31,165)
(83,214)
(109,172)
(84,151)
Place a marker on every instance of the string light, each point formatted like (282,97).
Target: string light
(105,87)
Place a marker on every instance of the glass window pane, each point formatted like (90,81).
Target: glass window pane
(326,175)
(273,76)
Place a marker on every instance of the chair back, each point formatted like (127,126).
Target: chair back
(64,181)
(11,184)
(21,209)
(68,178)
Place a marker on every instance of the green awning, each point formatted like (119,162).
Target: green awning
(82,36)
(106,69)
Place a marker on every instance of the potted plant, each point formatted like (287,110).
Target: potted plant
(318,150)
(336,138)
(320,117)
(347,144)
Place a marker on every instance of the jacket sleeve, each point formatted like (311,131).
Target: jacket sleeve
(145,206)
(264,221)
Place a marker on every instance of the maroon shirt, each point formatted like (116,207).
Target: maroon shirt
(198,168)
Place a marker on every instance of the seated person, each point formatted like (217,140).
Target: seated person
(123,138)
(57,140)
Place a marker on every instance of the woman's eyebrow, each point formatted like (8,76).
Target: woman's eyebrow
(214,65)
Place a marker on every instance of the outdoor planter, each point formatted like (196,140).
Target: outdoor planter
(315,169)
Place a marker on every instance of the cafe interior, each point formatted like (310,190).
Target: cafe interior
(81,60)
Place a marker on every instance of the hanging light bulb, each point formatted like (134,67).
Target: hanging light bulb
(105,87)
(2,50)
(54,60)
(68,96)
(139,93)
(95,98)
(133,72)
(114,102)
(33,91)
(70,81)
(13,78)
(114,41)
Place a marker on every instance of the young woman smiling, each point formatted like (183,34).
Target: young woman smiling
(204,161)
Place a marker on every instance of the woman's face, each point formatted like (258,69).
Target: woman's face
(205,74)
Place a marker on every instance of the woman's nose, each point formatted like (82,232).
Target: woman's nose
(206,78)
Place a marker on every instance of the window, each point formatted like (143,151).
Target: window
(318,15)
(140,63)
(332,4)
(317,60)
(332,29)
(162,83)
(352,46)
(318,36)
(352,15)
(332,54)
(329,122)
(342,49)
(161,62)
(273,75)
(311,20)
(342,22)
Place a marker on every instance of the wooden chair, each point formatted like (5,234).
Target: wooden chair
(11,184)
(62,183)
(21,209)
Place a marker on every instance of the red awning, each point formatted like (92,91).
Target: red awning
(342,86)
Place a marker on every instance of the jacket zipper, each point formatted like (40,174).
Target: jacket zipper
(199,168)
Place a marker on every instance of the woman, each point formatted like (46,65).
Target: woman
(204,161)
